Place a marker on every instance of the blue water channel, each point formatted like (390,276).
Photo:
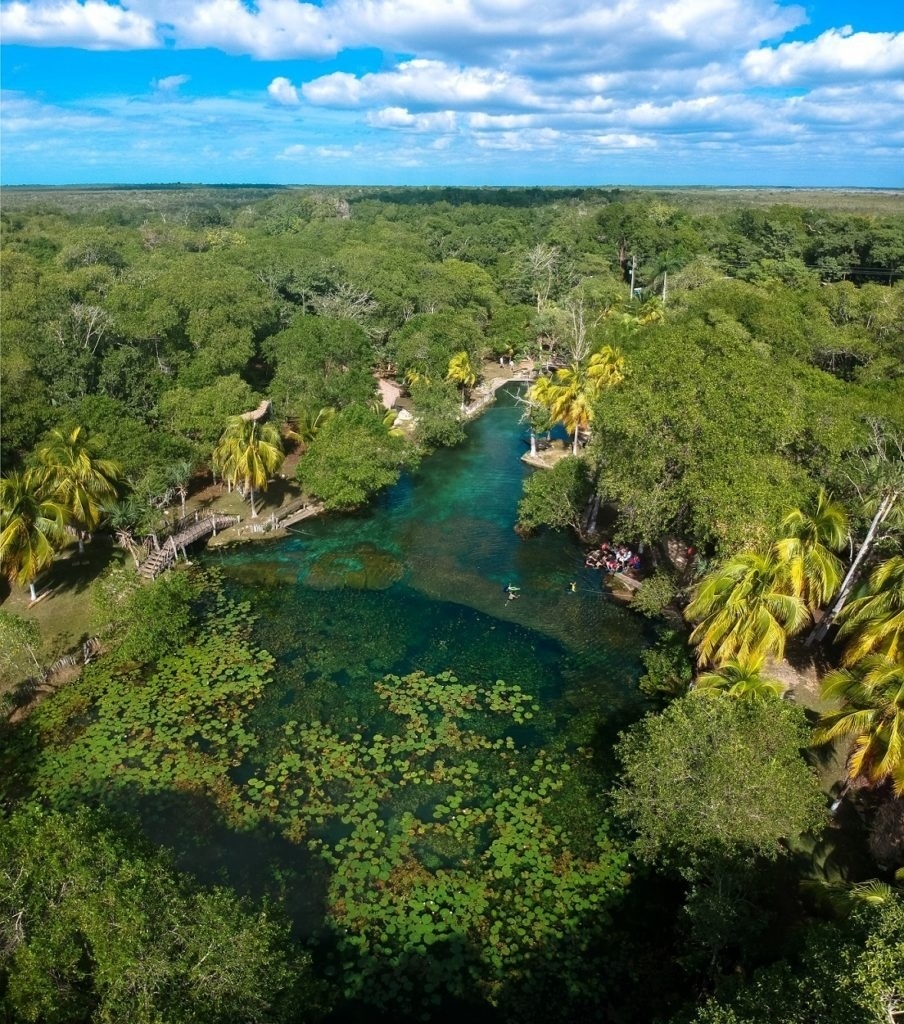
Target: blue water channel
(417,581)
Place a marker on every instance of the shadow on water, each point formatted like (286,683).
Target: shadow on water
(258,863)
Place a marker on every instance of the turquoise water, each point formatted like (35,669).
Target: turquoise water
(416,581)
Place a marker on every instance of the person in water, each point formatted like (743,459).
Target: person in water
(512,592)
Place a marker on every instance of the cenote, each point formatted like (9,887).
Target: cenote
(417,582)
(418,779)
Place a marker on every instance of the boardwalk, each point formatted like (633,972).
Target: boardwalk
(190,532)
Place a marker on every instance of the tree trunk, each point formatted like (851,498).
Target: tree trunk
(574,449)
(253,509)
(853,574)
(533,444)
(31,588)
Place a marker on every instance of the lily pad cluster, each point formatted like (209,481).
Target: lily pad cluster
(446,875)
(178,725)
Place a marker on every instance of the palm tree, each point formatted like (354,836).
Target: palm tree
(32,527)
(462,374)
(570,394)
(739,678)
(873,623)
(872,712)
(249,453)
(807,546)
(130,517)
(177,476)
(880,485)
(309,423)
(78,478)
(743,609)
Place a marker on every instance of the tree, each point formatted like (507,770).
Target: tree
(571,393)
(78,477)
(351,457)
(96,926)
(807,544)
(462,374)
(438,420)
(881,484)
(872,712)
(873,623)
(711,779)
(249,453)
(840,971)
(320,362)
(743,609)
(555,497)
(32,526)
(177,476)
(308,424)
(739,678)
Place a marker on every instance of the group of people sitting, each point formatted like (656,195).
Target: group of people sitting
(613,559)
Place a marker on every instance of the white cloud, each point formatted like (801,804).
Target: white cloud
(282,91)
(399,117)
(517,35)
(171,83)
(838,53)
(482,78)
(274,29)
(421,82)
(93,25)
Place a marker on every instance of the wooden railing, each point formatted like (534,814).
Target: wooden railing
(194,530)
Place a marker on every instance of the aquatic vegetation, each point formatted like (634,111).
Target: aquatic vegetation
(364,567)
(446,871)
(178,725)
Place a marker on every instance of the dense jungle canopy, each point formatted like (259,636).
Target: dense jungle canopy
(729,366)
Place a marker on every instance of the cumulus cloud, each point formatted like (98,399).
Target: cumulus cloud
(838,53)
(92,25)
(282,91)
(516,34)
(578,78)
(422,82)
(399,117)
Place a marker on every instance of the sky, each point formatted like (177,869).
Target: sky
(453,92)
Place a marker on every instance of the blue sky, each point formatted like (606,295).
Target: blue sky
(644,92)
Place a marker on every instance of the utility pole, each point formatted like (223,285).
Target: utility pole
(633,268)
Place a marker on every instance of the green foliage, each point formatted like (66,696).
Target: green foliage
(426,343)
(668,667)
(197,415)
(438,414)
(20,642)
(157,618)
(840,972)
(555,497)
(320,362)
(96,927)
(722,426)
(717,778)
(351,457)
(654,595)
